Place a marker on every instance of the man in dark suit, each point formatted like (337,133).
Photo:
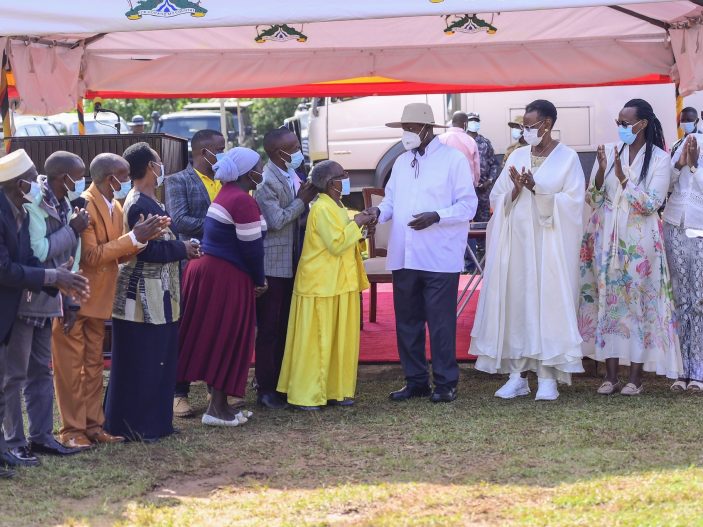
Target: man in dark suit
(188,196)
(19,268)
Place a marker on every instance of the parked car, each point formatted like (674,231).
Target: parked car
(104,124)
(33,125)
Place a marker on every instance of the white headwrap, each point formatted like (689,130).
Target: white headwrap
(235,163)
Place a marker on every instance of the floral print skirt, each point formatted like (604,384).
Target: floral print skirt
(626,308)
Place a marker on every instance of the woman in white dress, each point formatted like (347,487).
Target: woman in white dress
(683,239)
(626,305)
(526,317)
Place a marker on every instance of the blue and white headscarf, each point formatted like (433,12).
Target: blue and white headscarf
(235,163)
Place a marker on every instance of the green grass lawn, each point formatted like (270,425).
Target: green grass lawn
(582,460)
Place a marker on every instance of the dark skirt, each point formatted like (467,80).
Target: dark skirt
(139,399)
(218,325)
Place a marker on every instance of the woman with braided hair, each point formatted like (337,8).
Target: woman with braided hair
(626,305)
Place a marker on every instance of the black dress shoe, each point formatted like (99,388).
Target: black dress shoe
(408,392)
(272,401)
(443,395)
(6,473)
(52,448)
(305,408)
(20,456)
(347,401)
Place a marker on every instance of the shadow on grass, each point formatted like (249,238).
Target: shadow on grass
(374,451)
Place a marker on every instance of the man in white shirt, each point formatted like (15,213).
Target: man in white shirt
(430,197)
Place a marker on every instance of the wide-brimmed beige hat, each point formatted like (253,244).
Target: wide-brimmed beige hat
(416,113)
(14,164)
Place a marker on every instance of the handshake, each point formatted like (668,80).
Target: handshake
(368,218)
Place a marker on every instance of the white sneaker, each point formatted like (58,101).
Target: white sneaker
(209,420)
(515,387)
(546,390)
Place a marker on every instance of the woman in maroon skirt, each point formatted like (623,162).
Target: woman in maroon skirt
(218,300)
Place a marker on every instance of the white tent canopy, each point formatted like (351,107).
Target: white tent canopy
(172,47)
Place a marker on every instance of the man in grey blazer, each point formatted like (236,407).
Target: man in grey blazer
(188,196)
(283,200)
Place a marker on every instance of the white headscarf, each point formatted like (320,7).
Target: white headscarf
(235,163)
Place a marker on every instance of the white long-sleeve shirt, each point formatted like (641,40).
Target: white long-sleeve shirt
(439,182)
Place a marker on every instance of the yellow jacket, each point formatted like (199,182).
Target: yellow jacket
(330,263)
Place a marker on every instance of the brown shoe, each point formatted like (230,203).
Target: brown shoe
(103,438)
(79,441)
(182,408)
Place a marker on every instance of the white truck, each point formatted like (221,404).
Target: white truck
(352,131)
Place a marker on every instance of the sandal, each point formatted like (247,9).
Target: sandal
(608,388)
(695,387)
(678,387)
(631,389)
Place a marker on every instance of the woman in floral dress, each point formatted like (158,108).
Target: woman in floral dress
(626,305)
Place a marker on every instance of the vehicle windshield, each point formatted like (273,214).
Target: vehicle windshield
(187,126)
(95,128)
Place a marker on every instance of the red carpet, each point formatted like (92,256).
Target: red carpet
(378,342)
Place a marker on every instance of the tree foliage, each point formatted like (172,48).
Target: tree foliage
(267,114)
(128,108)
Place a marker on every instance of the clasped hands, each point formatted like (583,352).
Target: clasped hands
(690,151)
(522,180)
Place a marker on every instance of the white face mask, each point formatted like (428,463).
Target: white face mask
(473,126)
(531,134)
(411,140)
(160,177)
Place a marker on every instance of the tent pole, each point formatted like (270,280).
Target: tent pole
(240,139)
(81,117)
(5,112)
(223,121)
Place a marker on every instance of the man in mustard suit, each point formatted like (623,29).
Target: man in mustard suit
(77,350)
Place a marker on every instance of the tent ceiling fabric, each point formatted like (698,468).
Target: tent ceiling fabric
(42,18)
(529,43)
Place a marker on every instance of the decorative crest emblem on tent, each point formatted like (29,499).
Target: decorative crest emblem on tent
(164,8)
(279,33)
(468,24)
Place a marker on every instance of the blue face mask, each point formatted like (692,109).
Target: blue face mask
(626,134)
(296,159)
(688,128)
(218,156)
(79,187)
(346,187)
(124,189)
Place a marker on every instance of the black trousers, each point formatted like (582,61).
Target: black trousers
(272,311)
(425,298)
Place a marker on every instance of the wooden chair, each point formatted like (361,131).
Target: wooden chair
(378,249)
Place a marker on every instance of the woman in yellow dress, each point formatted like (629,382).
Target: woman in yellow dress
(322,343)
